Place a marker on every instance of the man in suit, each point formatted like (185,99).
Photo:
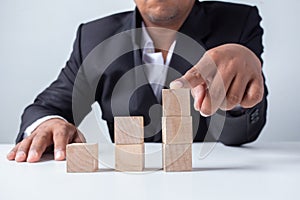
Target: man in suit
(226,80)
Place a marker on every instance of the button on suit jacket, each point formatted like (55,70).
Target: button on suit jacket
(107,50)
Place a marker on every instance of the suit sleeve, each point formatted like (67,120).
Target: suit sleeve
(244,126)
(57,98)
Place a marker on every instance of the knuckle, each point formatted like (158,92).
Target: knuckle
(23,148)
(216,95)
(27,139)
(23,144)
(256,97)
(231,62)
(197,75)
(193,73)
(224,106)
(214,53)
(15,149)
(41,128)
(61,133)
(233,99)
(41,137)
(235,64)
(65,127)
(62,127)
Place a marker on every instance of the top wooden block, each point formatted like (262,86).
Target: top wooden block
(176,102)
(129,130)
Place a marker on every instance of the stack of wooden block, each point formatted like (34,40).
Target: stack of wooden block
(177,131)
(129,143)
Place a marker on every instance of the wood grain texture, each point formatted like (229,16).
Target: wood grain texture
(177,130)
(129,158)
(82,157)
(176,102)
(177,157)
(129,130)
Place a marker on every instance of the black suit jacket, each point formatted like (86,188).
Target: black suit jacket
(98,63)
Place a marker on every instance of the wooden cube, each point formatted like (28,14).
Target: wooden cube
(177,157)
(129,130)
(177,130)
(129,158)
(176,102)
(82,157)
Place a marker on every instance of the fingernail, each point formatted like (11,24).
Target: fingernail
(11,155)
(59,155)
(31,155)
(20,155)
(176,85)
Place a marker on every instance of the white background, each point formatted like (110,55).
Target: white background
(36,38)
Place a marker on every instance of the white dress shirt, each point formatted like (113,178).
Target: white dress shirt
(154,71)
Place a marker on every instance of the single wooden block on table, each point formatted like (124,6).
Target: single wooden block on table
(130,158)
(82,157)
(177,130)
(129,130)
(176,102)
(177,157)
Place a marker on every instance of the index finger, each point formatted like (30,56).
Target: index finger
(200,74)
(61,137)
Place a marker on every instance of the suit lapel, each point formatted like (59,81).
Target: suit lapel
(190,42)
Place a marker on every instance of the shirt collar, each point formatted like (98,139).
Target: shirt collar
(148,45)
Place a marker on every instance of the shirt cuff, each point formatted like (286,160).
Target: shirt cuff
(38,122)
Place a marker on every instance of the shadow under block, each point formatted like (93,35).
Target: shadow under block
(82,157)
(176,102)
(129,130)
(177,157)
(177,130)
(130,157)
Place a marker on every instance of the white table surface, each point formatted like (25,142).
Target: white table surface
(256,171)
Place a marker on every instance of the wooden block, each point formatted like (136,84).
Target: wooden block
(176,102)
(177,130)
(129,130)
(130,157)
(177,157)
(82,157)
